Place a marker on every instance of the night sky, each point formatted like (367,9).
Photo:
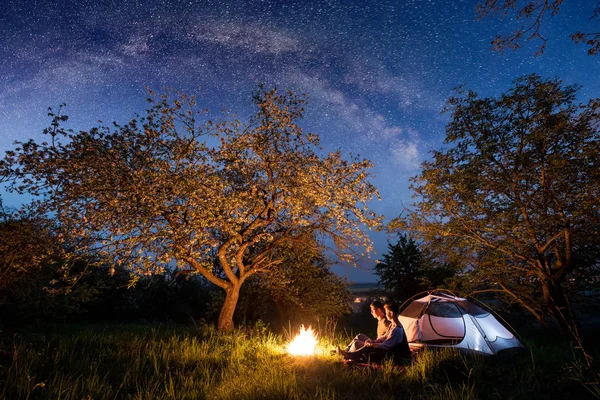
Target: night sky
(377,73)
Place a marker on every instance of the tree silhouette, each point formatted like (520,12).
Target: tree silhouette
(533,14)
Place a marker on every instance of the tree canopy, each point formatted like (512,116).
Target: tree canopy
(218,198)
(515,192)
(303,290)
(400,270)
(410,268)
(23,247)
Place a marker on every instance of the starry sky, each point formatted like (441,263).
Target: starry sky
(377,73)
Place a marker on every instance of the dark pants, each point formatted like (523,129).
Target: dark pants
(400,354)
(367,355)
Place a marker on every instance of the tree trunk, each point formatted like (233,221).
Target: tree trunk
(225,322)
(558,305)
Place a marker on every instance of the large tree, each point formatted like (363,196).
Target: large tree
(218,198)
(516,191)
(532,13)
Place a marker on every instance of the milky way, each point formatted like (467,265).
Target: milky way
(377,74)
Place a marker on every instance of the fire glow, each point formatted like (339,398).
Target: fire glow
(304,344)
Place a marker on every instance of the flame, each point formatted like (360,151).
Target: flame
(304,344)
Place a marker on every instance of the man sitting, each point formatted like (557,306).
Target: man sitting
(393,343)
(382,327)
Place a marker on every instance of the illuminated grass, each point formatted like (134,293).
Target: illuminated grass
(142,362)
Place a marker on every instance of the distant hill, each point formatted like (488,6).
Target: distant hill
(364,287)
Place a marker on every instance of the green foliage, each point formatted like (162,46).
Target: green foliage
(25,244)
(45,281)
(436,275)
(45,297)
(166,297)
(99,295)
(302,291)
(407,270)
(40,278)
(400,271)
(515,194)
(170,362)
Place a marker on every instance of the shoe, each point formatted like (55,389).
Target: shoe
(341,352)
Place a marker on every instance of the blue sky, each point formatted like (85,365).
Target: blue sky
(377,73)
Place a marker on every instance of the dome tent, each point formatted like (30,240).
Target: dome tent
(441,319)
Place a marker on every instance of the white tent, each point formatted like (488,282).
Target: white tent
(444,320)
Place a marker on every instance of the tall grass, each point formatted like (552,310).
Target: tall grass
(169,362)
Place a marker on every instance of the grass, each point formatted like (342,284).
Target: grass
(174,362)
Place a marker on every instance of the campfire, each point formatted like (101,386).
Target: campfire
(304,344)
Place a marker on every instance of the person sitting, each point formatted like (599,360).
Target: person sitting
(394,343)
(382,327)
